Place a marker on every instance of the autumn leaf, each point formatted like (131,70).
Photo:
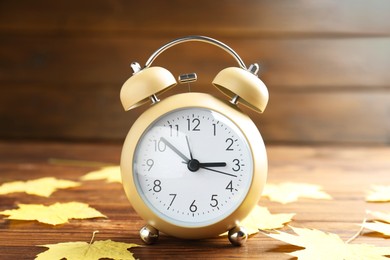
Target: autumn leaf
(385,217)
(321,245)
(379,193)
(378,227)
(41,187)
(261,218)
(55,214)
(83,250)
(108,173)
(289,192)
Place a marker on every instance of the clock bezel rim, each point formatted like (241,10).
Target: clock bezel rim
(231,112)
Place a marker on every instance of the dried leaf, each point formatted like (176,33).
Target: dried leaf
(261,218)
(55,214)
(379,193)
(385,217)
(378,227)
(41,187)
(83,250)
(321,245)
(108,173)
(289,192)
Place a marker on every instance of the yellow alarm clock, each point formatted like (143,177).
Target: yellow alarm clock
(194,166)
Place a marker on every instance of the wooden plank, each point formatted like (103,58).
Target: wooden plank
(295,63)
(327,117)
(244,18)
(93,112)
(65,111)
(62,64)
(344,172)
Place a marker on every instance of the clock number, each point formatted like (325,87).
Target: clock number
(215,129)
(214,201)
(173,198)
(159,146)
(237,163)
(193,207)
(230,144)
(157,186)
(230,186)
(150,163)
(195,122)
(174,129)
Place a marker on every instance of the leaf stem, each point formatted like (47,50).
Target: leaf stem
(90,242)
(358,233)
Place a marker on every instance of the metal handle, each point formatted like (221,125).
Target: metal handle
(196,38)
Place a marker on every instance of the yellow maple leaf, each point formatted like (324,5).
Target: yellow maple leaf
(287,192)
(378,227)
(382,216)
(41,187)
(108,173)
(83,250)
(58,213)
(378,193)
(266,220)
(321,245)
(261,218)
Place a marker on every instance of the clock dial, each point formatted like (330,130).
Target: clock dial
(193,167)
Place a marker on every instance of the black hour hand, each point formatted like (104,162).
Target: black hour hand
(212,164)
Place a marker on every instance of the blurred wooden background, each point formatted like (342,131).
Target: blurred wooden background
(326,64)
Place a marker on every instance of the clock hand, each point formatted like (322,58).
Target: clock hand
(189,148)
(194,165)
(165,141)
(212,164)
(213,170)
(207,164)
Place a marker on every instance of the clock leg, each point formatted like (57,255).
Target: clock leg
(149,234)
(237,236)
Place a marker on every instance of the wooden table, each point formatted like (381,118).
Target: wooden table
(344,172)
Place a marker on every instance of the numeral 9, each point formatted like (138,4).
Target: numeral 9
(150,163)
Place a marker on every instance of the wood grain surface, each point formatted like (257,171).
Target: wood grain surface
(325,64)
(344,172)
(173,18)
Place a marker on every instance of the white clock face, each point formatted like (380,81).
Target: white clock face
(193,167)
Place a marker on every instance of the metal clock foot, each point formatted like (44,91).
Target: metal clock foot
(149,234)
(237,236)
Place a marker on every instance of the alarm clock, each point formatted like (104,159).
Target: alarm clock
(193,166)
